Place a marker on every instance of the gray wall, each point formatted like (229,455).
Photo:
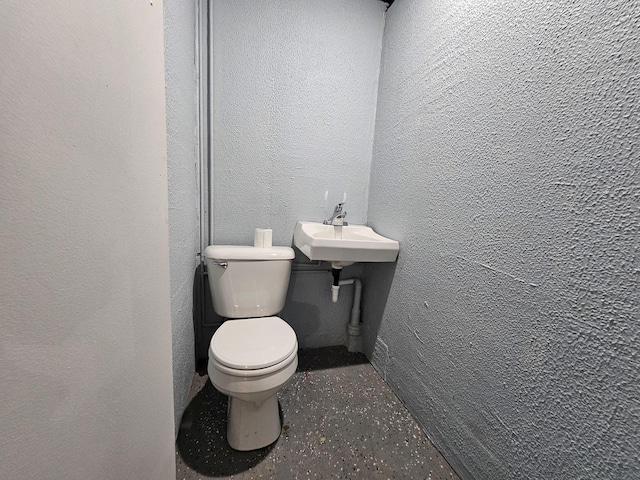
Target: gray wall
(85,348)
(293,118)
(505,161)
(182,145)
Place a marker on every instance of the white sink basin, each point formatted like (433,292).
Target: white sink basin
(344,244)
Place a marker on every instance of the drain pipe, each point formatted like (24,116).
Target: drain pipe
(354,338)
(335,288)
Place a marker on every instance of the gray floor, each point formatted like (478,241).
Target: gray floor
(340,420)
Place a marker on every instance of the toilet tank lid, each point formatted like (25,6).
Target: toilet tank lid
(242,252)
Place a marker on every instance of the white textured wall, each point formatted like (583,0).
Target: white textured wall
(182,149)
(85,350)
(506,163)
(294,89)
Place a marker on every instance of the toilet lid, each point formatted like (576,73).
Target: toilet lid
(253,343)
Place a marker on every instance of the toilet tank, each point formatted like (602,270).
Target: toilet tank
(248,282)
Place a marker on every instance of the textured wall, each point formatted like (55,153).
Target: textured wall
(85,349)
(505,161)
(182,161)
(294,108)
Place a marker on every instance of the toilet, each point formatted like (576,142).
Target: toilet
(253,353)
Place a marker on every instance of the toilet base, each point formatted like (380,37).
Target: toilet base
(252,425)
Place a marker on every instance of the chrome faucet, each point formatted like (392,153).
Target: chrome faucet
(338,216)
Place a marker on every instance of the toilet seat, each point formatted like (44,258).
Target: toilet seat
(251,346)
(261,372)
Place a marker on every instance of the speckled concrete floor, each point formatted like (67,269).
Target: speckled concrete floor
(340,420)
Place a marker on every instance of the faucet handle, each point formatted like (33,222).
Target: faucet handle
(337,214)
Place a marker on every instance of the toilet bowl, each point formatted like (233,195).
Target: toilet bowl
(250,360)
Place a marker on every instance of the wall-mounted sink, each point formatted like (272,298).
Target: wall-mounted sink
(344,244)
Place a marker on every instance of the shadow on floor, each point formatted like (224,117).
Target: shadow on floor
(202,442)
(311,359)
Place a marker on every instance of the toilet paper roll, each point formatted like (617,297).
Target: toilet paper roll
(262,237)
(258,238)
(268,237)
